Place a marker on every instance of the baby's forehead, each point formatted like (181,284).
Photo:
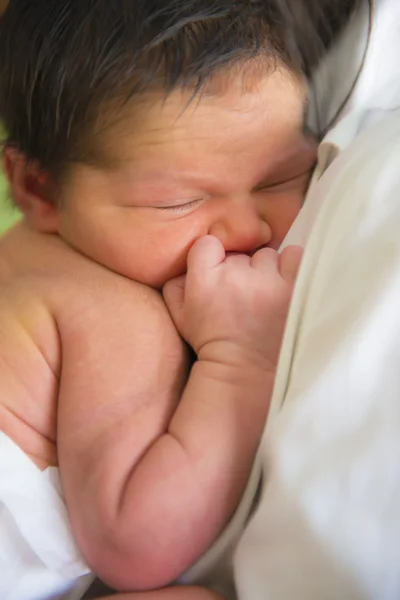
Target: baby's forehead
(268,112)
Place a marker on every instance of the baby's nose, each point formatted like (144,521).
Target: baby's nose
(241,230)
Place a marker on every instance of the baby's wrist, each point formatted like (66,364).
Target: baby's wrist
(230,355)
(247,382)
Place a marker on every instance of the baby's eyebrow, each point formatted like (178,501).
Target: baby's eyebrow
(181,178)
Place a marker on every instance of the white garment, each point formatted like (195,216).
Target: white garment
(38,556)
(328,523)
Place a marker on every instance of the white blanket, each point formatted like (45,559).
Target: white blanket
(38,555)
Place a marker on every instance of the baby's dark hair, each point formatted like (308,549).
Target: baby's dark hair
(65,64)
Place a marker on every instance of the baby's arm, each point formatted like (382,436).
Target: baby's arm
(150,485)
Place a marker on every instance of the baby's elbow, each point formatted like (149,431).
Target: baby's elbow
(147,562)
(130,574)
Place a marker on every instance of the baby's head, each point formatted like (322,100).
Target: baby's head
(136,126)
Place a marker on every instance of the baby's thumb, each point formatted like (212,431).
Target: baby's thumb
(207,252)
(174,297)
(289,263)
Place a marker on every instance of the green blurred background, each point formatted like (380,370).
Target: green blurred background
(8,214)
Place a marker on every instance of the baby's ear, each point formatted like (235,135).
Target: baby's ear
(33,191)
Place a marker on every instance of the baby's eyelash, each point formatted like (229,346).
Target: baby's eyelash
(181,207)
(284,181)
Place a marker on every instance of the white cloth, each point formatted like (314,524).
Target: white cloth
(328,523)
(38,556)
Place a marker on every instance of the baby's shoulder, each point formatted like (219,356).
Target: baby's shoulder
(57,305)
(44,270)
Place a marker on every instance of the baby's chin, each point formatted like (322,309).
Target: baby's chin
(159,284)
(153,278)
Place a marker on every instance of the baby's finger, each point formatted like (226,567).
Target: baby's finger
(289,263)
(265,259)
(174,297)
(207,252)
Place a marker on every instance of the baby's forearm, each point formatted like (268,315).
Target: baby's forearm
(182,492)
(218,425)
(210,446)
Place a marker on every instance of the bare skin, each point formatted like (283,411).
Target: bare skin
(39,277)
(154,453)
(37,317)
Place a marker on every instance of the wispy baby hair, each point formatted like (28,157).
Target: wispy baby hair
(66,64)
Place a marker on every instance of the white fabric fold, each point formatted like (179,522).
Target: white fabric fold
(39,558)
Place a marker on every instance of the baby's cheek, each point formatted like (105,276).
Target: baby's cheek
(170,251)
(282,214)
(161,264)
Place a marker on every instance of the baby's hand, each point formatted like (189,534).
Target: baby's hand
(232,308)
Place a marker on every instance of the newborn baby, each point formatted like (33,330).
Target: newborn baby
(130,185)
